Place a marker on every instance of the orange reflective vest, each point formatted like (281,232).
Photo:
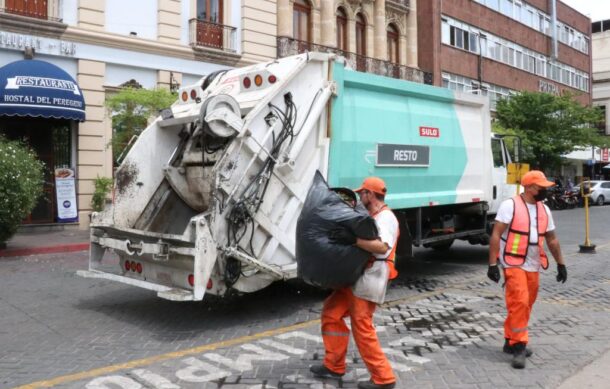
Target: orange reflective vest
(518,237)
(391,259)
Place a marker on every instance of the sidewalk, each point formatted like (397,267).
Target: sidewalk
(46,242)
(594,375)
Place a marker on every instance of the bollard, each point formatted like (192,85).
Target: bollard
(587,247)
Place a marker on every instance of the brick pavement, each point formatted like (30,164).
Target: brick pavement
(442,330)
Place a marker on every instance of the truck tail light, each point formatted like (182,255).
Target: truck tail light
(247,82)
(185,96)
(191,280)
(193,94)
(139,268)
(272,79)
(258,80)
(210,284)
(127,265)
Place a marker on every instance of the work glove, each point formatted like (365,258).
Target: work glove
(562,273)
(342,236)
(493,273)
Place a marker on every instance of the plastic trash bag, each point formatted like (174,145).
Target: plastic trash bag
(321,262)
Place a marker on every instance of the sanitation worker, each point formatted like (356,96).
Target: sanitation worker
(522,225)
(359,301)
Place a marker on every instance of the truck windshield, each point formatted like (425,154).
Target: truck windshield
(496,149)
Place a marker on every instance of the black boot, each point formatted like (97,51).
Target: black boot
(372,385)
(322,371)
(518,356)
(508,349)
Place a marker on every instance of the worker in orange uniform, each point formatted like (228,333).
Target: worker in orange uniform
(522,225)
(359,301)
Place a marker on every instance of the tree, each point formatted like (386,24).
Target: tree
(549,126)
(131,109)
(21,181)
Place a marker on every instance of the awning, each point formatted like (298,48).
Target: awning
(39,89)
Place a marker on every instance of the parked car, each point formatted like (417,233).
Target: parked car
(600,192)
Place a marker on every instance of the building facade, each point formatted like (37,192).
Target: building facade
(499,47)
(376,36)
(106,44)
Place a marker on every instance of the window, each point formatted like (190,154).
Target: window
(209,11)
(393,53)
(301,21)
(506,7)
(496,151)
(446,33)
(474,43)
(341,29)
(360,35)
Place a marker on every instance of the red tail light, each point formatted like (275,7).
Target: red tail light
(247,82)
(127,265)
(272,79)
(191,280)
(210,284)
(193,94)
(139,268)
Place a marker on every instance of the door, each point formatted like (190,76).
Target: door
(210,29)
(501,190)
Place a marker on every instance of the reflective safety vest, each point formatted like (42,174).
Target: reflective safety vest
(518,237)
(391,259)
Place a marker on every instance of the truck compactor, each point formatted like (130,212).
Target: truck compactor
(208,197)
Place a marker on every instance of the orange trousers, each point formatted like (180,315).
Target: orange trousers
(335,333)
(521,290)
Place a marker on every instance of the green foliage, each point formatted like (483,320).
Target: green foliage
(102,187)
(549,126)
(131,109)
(21,181)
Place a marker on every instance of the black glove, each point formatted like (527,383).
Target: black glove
(342,236)
(493,273)
(562,273)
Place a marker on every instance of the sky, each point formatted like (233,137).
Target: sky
(595,9)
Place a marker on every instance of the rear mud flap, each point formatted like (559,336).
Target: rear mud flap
(205,257)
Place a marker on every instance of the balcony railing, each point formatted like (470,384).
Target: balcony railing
(39,9)
(210,34)
(289,46)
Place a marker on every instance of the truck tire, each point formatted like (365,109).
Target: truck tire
(442,246)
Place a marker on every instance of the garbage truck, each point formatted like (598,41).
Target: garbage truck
(207,199)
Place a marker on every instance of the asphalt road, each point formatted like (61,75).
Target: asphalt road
(59,330)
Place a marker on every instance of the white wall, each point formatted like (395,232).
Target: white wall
(118,74)
(126,16)
(68,12)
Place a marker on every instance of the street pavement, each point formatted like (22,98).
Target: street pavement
(441,327)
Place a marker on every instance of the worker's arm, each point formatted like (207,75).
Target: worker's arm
(553,243)
(375,246)
(494,242)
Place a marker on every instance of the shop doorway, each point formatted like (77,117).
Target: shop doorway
(51,140)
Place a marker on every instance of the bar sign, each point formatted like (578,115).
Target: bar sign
(430,132)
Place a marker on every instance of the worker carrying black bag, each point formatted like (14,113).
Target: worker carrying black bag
(321,262)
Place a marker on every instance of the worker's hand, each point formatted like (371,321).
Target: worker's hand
(493,273)
(562,273)
(342,236)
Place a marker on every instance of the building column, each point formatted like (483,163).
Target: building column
(351,35)
(380,31)
(284,18)
(411,59)
(166,79)
(94,155)
(316,31)
(91,14)
(328,24)
(169,21)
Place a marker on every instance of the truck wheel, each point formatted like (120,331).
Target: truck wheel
(600,200)
(442,246)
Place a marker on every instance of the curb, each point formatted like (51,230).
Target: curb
(62,248)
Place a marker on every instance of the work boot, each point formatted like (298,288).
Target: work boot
(322,371)
(518,356)
(372,385)
(508,349)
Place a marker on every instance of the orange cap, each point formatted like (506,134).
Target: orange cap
(373,184)
(536,177)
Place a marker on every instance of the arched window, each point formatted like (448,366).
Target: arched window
(393,52)
(360,35)
(341,29)
(301,21)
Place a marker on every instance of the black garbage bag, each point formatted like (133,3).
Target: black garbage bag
(323,263)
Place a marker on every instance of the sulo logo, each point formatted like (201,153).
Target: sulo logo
(431,132)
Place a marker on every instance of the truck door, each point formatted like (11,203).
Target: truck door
(501,190)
